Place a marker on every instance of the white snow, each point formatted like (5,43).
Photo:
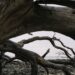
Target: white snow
(40,47)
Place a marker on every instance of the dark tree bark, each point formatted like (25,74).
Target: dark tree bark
(27,56)
(8,59)
(22,16)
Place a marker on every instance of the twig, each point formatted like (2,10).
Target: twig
(46,53)
(64,45)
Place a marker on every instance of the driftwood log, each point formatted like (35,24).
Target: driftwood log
(24,16)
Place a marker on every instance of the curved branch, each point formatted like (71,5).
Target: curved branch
(66,53)
(22,55)
(46,38)
(7,59)
(54,38)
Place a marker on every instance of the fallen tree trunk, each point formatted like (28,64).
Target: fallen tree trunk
(31,56)
(19,17)
(27,56)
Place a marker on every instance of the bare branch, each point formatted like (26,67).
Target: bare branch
(62,61)
(46,53)
(22,55)
(66,53)
(46,38)
(54,38)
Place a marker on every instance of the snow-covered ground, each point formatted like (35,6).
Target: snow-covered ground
(40,47)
